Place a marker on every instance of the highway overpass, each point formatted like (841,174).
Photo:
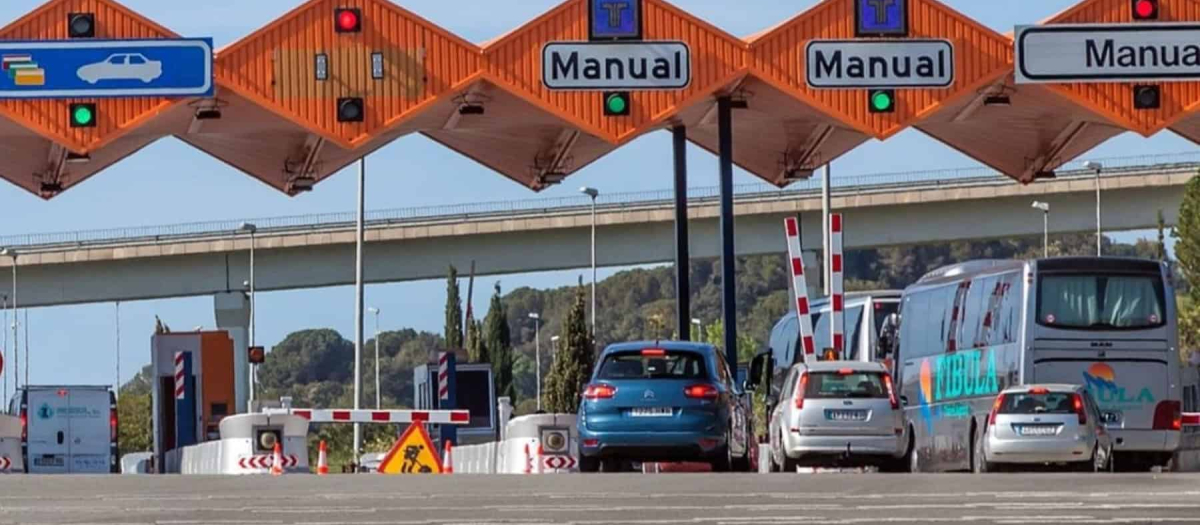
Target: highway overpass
(552,234)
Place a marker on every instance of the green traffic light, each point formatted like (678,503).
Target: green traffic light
(881,101)
(83,115)
(617,104)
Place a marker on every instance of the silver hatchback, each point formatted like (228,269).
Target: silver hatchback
(1046,425)
(837,413)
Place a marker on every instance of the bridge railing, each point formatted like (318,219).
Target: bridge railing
(841,185)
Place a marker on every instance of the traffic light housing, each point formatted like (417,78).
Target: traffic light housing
(881,100)
(1147,97)
(350,109)
(81,25)
(1144,9)
(257,354)
(616,103)
(347,20)
(82,114)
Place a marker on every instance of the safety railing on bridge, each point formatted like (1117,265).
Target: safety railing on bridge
(842,185)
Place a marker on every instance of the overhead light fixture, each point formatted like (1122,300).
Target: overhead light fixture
(797,174)
(471,109)
(208,114)
(1045,174)
(301,184)
(739,103)
(77,158)
(997,100)
(551,178)
(53,187)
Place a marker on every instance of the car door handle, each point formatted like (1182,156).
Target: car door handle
(60,437)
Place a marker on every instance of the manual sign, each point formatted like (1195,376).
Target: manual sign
(1108,53)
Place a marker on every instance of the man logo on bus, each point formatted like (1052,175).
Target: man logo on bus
(1101,380)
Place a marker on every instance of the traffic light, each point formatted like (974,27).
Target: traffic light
(616,103)
(350,109)
(347,20)
(82,114)
(1145,9)
(1147,97)
(881,100)
(81,25)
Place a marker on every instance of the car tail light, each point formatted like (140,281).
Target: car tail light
(801,386)
(995,409)
(891,391)
(1168,415)
(24,425)
(1077,404)
(599,391)
(701,392)
(1039,391)
(112,425)
(654,352)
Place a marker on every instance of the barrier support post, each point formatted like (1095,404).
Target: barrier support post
(447,393)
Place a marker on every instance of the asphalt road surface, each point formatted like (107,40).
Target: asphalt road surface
(602,499)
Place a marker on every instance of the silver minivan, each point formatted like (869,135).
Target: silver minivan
(837,413)
(1046,424)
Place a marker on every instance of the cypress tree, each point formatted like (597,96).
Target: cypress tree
(476,351)
(1187,252)
(453,331)
(498,342)
(573,361)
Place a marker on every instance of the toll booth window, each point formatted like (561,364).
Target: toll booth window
(474,395)
(219,410)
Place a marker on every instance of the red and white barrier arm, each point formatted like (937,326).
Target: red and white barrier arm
(799,285)
(436,417)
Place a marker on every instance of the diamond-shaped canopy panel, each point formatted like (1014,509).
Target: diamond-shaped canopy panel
(276,68)
(514,61)
(779,55)
(115,117)
(1115,100)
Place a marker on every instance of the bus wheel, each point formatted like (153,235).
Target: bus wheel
(914,457)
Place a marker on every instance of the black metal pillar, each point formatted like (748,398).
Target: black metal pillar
(683,289)
(728,262)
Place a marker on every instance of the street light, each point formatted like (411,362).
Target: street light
(1096,167)
(251,229)
(593,193)
(699,328)
(1045,207)
(378,399)
(537,338)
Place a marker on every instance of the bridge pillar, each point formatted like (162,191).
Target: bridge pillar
(728,257)
(233,315)
(683,290)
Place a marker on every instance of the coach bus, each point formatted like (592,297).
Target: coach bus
(970,330)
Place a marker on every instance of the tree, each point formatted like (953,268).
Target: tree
(453,332)
(476,350)
(497,339)
(1187,252)
(133,412)
(573,360)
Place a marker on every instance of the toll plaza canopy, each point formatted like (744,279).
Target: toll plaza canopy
(334,80)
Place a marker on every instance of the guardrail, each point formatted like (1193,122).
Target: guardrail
(842,186)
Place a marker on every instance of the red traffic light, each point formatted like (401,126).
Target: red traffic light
(1145,9)
(347,20)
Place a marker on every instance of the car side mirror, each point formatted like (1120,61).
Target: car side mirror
(904,400)
(757,367)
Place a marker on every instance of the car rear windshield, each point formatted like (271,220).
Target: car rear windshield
(1101,301)
(836,385)
(651,364)
(1048,403)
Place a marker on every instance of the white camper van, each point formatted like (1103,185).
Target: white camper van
(68,429)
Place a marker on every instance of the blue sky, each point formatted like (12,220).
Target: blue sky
(170,182)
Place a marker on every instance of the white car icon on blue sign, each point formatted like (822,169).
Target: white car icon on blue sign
(122,66)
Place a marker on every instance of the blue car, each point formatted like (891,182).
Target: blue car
(663,401)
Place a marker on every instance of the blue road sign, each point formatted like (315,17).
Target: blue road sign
(106,68)
(615,19)
(881,17)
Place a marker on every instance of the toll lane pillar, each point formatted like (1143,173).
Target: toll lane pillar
(728,262)
(683,291)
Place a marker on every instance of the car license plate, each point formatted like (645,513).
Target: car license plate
(1037,430)
(846,415)
(49,462)
(652,412)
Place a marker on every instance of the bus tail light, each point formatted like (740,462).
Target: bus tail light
(801,386)
(24,425)
(112,425)
(995,409)
(1077,405)
(1168,415)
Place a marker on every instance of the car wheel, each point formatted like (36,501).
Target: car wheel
(742,464)
(589,464)
(1098,461)
(790,465)
(609,465)
(914,457)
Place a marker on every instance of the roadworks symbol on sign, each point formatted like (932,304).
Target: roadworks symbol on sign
(413,453)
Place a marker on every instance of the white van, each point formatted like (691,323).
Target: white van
(68,429)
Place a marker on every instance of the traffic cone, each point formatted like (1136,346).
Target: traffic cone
(528,460)
(277,461)
(322,460)
(448,458)
(540,458)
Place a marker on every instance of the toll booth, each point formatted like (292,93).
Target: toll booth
(476,392)
(193,388)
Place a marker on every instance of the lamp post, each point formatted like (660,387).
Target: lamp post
(378,398)
(699,328)
(1097,167)
(593,193)
(358,302)
(537,355)
(1045,207)
(251,229)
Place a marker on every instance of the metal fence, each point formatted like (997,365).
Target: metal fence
(841,185)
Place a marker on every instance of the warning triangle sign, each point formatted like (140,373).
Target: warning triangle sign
(413,453)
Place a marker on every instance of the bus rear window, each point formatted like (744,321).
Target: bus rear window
(835,385)
(1100,301)
(651,364)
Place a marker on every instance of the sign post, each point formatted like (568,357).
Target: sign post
(106,68)
(447,393)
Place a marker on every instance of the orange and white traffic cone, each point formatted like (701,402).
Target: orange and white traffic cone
(277,461)
(540,458)
(322,460)
(448,458)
